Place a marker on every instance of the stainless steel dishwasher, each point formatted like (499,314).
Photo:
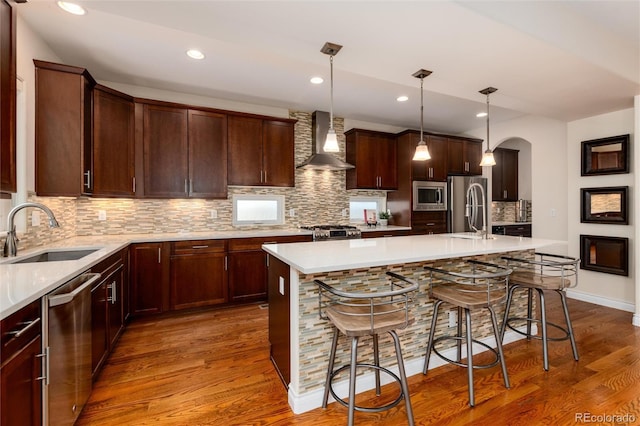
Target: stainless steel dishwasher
(68,348)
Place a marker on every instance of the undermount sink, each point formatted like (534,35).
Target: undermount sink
(57,256)
(470,236)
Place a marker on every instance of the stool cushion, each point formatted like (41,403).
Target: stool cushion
(356,320)
(460,295)
(536,280)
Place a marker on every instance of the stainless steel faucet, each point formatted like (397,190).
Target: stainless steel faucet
(473,204)
(11,243)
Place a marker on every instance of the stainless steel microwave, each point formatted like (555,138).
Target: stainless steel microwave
(429,196)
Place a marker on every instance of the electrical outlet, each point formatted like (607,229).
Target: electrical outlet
(102,215)
(281,285)
(453,318)
(292,212)
(345,212)
(213,214)
(552,213)
(35,218)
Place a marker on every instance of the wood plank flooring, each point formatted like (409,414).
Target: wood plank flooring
(213,368)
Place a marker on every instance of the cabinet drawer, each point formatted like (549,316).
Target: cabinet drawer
(244,244)
(376,234)
(19,329)
(198,246)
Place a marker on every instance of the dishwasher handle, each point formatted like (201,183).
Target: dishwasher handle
(61,299)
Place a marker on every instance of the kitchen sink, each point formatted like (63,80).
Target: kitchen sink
(57,256)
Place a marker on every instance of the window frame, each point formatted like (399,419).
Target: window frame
(279,199)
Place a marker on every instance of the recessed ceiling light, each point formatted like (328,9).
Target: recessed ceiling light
(72,8)
(481,114)
(402,98)
(195,54)
(316,80)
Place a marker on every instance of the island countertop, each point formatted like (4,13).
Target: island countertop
(327,256)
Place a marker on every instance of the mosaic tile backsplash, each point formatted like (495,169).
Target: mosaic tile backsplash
(505,211)
(318,197)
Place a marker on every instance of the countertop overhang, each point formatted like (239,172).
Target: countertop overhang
(328,256)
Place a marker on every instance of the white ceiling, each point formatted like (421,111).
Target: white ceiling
(561,59)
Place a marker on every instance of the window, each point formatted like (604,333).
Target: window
(358,204)
(258,209)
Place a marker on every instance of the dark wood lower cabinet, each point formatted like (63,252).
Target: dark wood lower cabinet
(198,274)
(21,367)
(428,223)
(382,233)
(149,278)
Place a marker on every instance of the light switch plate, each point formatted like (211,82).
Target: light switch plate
(35,218)
(102,215)
(213,214)
(281,285)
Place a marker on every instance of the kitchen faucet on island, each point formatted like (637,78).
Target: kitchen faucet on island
(472,207)
(11,243)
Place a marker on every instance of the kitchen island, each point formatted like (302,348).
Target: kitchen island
(300,340)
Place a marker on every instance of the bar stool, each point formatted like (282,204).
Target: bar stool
(483,288)
(361,314)
(551,272)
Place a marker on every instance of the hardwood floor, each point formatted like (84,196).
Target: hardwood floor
(213,368)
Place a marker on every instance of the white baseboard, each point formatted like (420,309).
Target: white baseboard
(301,403)
(602,301)
(636,320)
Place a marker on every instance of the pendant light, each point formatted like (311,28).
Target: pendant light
(422,150)
(487,157)
(331,143)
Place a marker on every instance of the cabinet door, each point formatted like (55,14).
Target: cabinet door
(165,152)
(510,174)
(386,162)
(361,152)
(473,156)
(20,389)
(455,154)
(198,280)
(7,97)
(278,153)
(115,304)
(247,276)
(149,293)
(428,223)
(113,144)
(244,150)
(437,166)
(62,131)
(99,345)
(279,318)
(207,154)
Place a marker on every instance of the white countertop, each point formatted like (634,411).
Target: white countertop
(21,284)
(327,256)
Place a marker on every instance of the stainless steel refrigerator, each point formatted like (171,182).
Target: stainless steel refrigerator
(463,207)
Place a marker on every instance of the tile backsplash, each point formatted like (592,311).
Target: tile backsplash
(505,211)
(318,197)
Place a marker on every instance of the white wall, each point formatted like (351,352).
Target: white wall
(548,171)
(606,289)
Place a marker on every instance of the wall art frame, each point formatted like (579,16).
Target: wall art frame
(608,205)
(604,254)
(605,156)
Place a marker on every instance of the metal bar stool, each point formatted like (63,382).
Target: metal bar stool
(483,288)
(551,272)
(361,314)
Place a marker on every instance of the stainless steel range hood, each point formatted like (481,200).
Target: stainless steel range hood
(319,159)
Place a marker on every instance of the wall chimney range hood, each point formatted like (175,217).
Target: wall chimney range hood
(319,159)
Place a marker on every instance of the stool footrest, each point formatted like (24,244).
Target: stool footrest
(464,364)
(359,407)
(535,336)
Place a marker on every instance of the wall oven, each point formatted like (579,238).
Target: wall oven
(429,196)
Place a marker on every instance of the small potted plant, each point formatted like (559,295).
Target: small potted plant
(384,218)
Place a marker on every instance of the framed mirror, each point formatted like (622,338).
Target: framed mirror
(604,205)
(605,254)
(605,156)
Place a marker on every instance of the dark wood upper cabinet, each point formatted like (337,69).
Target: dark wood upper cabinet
(207,154)
(63,130)
(261,151)
(7,97)
(504,175)
(436,168)
(165,152)
(113,143)
(464,157)
(374,155)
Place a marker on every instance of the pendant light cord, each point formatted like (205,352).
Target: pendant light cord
(488,148)
(421,109)
(331,106)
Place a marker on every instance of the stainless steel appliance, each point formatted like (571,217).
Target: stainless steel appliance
(68,345)
(333,232)
(463,213)
(429,196)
